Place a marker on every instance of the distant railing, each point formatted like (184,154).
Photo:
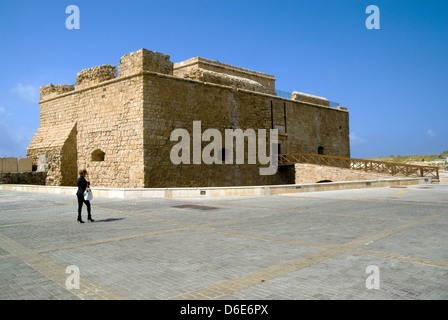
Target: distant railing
(334,104)
(283,94)
(383,167)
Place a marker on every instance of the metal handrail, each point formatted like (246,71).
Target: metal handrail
(392,168)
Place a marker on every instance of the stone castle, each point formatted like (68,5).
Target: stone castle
(119,127)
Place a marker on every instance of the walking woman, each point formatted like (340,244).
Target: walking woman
(83,183)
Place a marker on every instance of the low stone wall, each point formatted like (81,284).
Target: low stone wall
(33,178)
(176,193)
(311,173)
(15,164)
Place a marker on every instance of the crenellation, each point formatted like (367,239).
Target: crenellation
(145,60)
(95,75)
(52,90)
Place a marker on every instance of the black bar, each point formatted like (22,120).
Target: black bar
(284,114)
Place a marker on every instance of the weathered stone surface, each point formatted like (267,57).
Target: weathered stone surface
(145,60)
(185,67)
(34,178)
(9,164)
(52,90)
(95,75)
(304,97)
(42,163)
(225,79)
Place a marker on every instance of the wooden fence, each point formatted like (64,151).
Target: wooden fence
(383,167)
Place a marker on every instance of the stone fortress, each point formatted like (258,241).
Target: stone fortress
(119,127)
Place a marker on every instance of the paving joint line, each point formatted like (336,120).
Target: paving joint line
(401,257)
(57,273)
(188,226)
(257,277)
(269,238)
(108,240)
(385,199)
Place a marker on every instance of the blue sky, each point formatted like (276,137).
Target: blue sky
(393,80)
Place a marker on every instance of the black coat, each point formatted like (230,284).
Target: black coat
(83,184)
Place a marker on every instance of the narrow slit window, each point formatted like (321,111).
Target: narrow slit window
(320,150)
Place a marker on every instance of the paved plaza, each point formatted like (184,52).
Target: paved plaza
(374,243)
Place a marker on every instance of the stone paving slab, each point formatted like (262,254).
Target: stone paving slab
(198,258)
(343,277)
(313,245)
(432,242)
(20,281)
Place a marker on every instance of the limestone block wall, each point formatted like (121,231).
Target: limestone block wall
(144,60)
(53,175)
(60,152)
(217,107)
(107,117)
(333,126)
(171,103)
(33,178)
(310,173)
(314,127)
(52,90)
(300,96)
(8,164)
(118,133)
(95,75)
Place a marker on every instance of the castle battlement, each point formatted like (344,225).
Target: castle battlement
(52,90)
(145,60)
(95,75)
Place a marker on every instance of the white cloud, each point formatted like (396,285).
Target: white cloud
(430,133)
(355,140)
(27,93)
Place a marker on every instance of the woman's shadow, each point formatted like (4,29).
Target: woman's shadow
(108,220)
